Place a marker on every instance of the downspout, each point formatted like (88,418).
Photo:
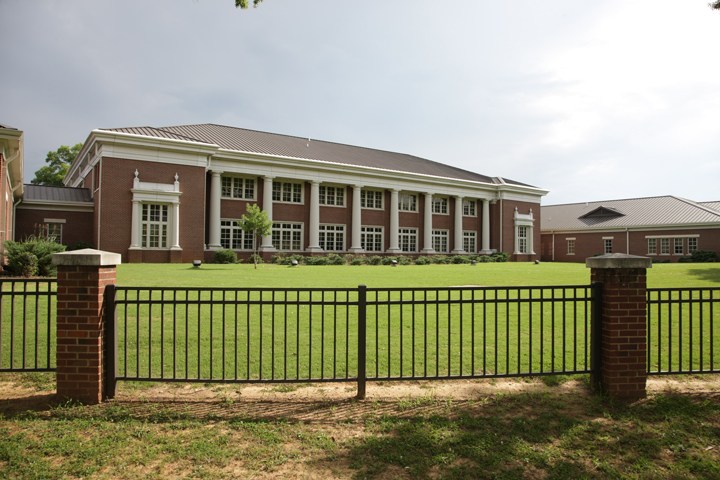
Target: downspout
(99,202)
(627,240)
(552,256)
(501,226)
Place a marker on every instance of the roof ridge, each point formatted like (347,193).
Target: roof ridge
(600,202)
(698,205)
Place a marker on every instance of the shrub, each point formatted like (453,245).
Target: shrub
(375,260)
(225,256)
(316,260)
(500,257)
(704,256)
(404,260)
(256,258)
(357,260)
(41,248)
(335,259)
(423,260)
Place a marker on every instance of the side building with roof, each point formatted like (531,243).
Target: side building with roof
(174,194)
(664,228)
(11,180)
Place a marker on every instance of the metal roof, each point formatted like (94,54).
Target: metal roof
(253,141)
(45,193)
(666,211)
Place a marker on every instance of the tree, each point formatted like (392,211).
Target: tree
(715,5)
(58,163)
(256,223)
(244,3)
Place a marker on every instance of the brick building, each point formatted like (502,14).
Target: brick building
(663,228)
(173,194)
(11,179)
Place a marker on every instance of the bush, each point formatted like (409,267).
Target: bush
(335,259)
(225,256)
(32,257)
(423,260)
(500,257)
(704,256)
(357,260)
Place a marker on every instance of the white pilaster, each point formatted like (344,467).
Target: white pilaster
(356,243)
(485,234)
(175,232)
(267,206)
(214,220)
(394,222)
(427,225)
(135,225)
(314,233)
(458,227)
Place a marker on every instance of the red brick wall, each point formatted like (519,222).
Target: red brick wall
(508,228)
(78,226)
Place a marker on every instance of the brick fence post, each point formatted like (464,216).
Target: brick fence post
(82,278)
(622,372)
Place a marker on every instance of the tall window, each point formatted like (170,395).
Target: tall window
(440,241)
(440,205)
(652,246)
(332,196)
(408,239)
(332,238)
(678,246)
(470,241)
(469,208)
(288,192)
(692,245)
(664,246)
(607,245)
(571,246)
(287,236)
(371,199)
(522,239)
(238,187)
(371,239)
(407,202)
(154,225)
(233,237)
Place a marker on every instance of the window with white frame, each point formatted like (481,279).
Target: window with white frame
(664,246)
(52,230)
(407,202)
(692,244)
(440,241)
(287,192)
(470,208)
(154,225)
(678,246)
(652,246)
(522,238)
(238,187)
(440,205)
(371,199)
(233,237)
(524,232)
(570,246)
(470,241)
(371,239)
(332,238)
(287,237)
(607,245)
(408,239)
(333,196)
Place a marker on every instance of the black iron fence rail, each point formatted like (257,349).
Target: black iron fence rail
(683,334)
(27,324)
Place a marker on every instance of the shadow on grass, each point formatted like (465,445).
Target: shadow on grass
(707,274)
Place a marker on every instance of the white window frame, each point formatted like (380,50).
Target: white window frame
(607,245)
(288,236)
(678,245)
(372,199)
(372,238)
(441,240)
(570,246)
(232,237)
(52,229)
(287,192)
(439,205)
(332,237)
(470,241)
(652,246)
(524,244)
(664,246)
(332,196)
(692,244)
(407,202)
(408,239)
(469,208)
(147,233)
(239,188)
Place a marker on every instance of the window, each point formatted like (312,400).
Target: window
(371,239)
(469,208)
(652,246)
(51,230)
(233,237)
(522,239)
(288,192)
(408,239)
(678,246)
(692,245)
(332,196)
(470,241)
(440,205)
(371,199)
(664,246)
(287,236)
(154,225)
(238,187)
(407,202)
(570,246)
(332,237)
(440,241)
(607,245)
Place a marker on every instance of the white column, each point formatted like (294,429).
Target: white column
(267,207)
(135,226)
(427,225)
(214,223)
(314,233)
(356,244)
(175,233)
(458,228)
(485,234)
(394,222)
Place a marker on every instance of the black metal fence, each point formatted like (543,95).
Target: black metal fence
(683,333)
(357,334)
(27,324)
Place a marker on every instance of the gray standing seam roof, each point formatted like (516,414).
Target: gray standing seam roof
(253,141)
(45,193)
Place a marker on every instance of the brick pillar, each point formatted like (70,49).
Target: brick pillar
(622,370)
(82,278)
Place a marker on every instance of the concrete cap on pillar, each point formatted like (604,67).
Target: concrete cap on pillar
(618,260)
(86,257)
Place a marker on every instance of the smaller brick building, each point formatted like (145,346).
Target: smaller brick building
(663,228)
(11,179)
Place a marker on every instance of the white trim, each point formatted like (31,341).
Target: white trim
(54,220)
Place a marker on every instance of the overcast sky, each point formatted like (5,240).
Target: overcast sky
(590,100)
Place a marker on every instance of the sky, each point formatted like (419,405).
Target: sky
(589,100)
